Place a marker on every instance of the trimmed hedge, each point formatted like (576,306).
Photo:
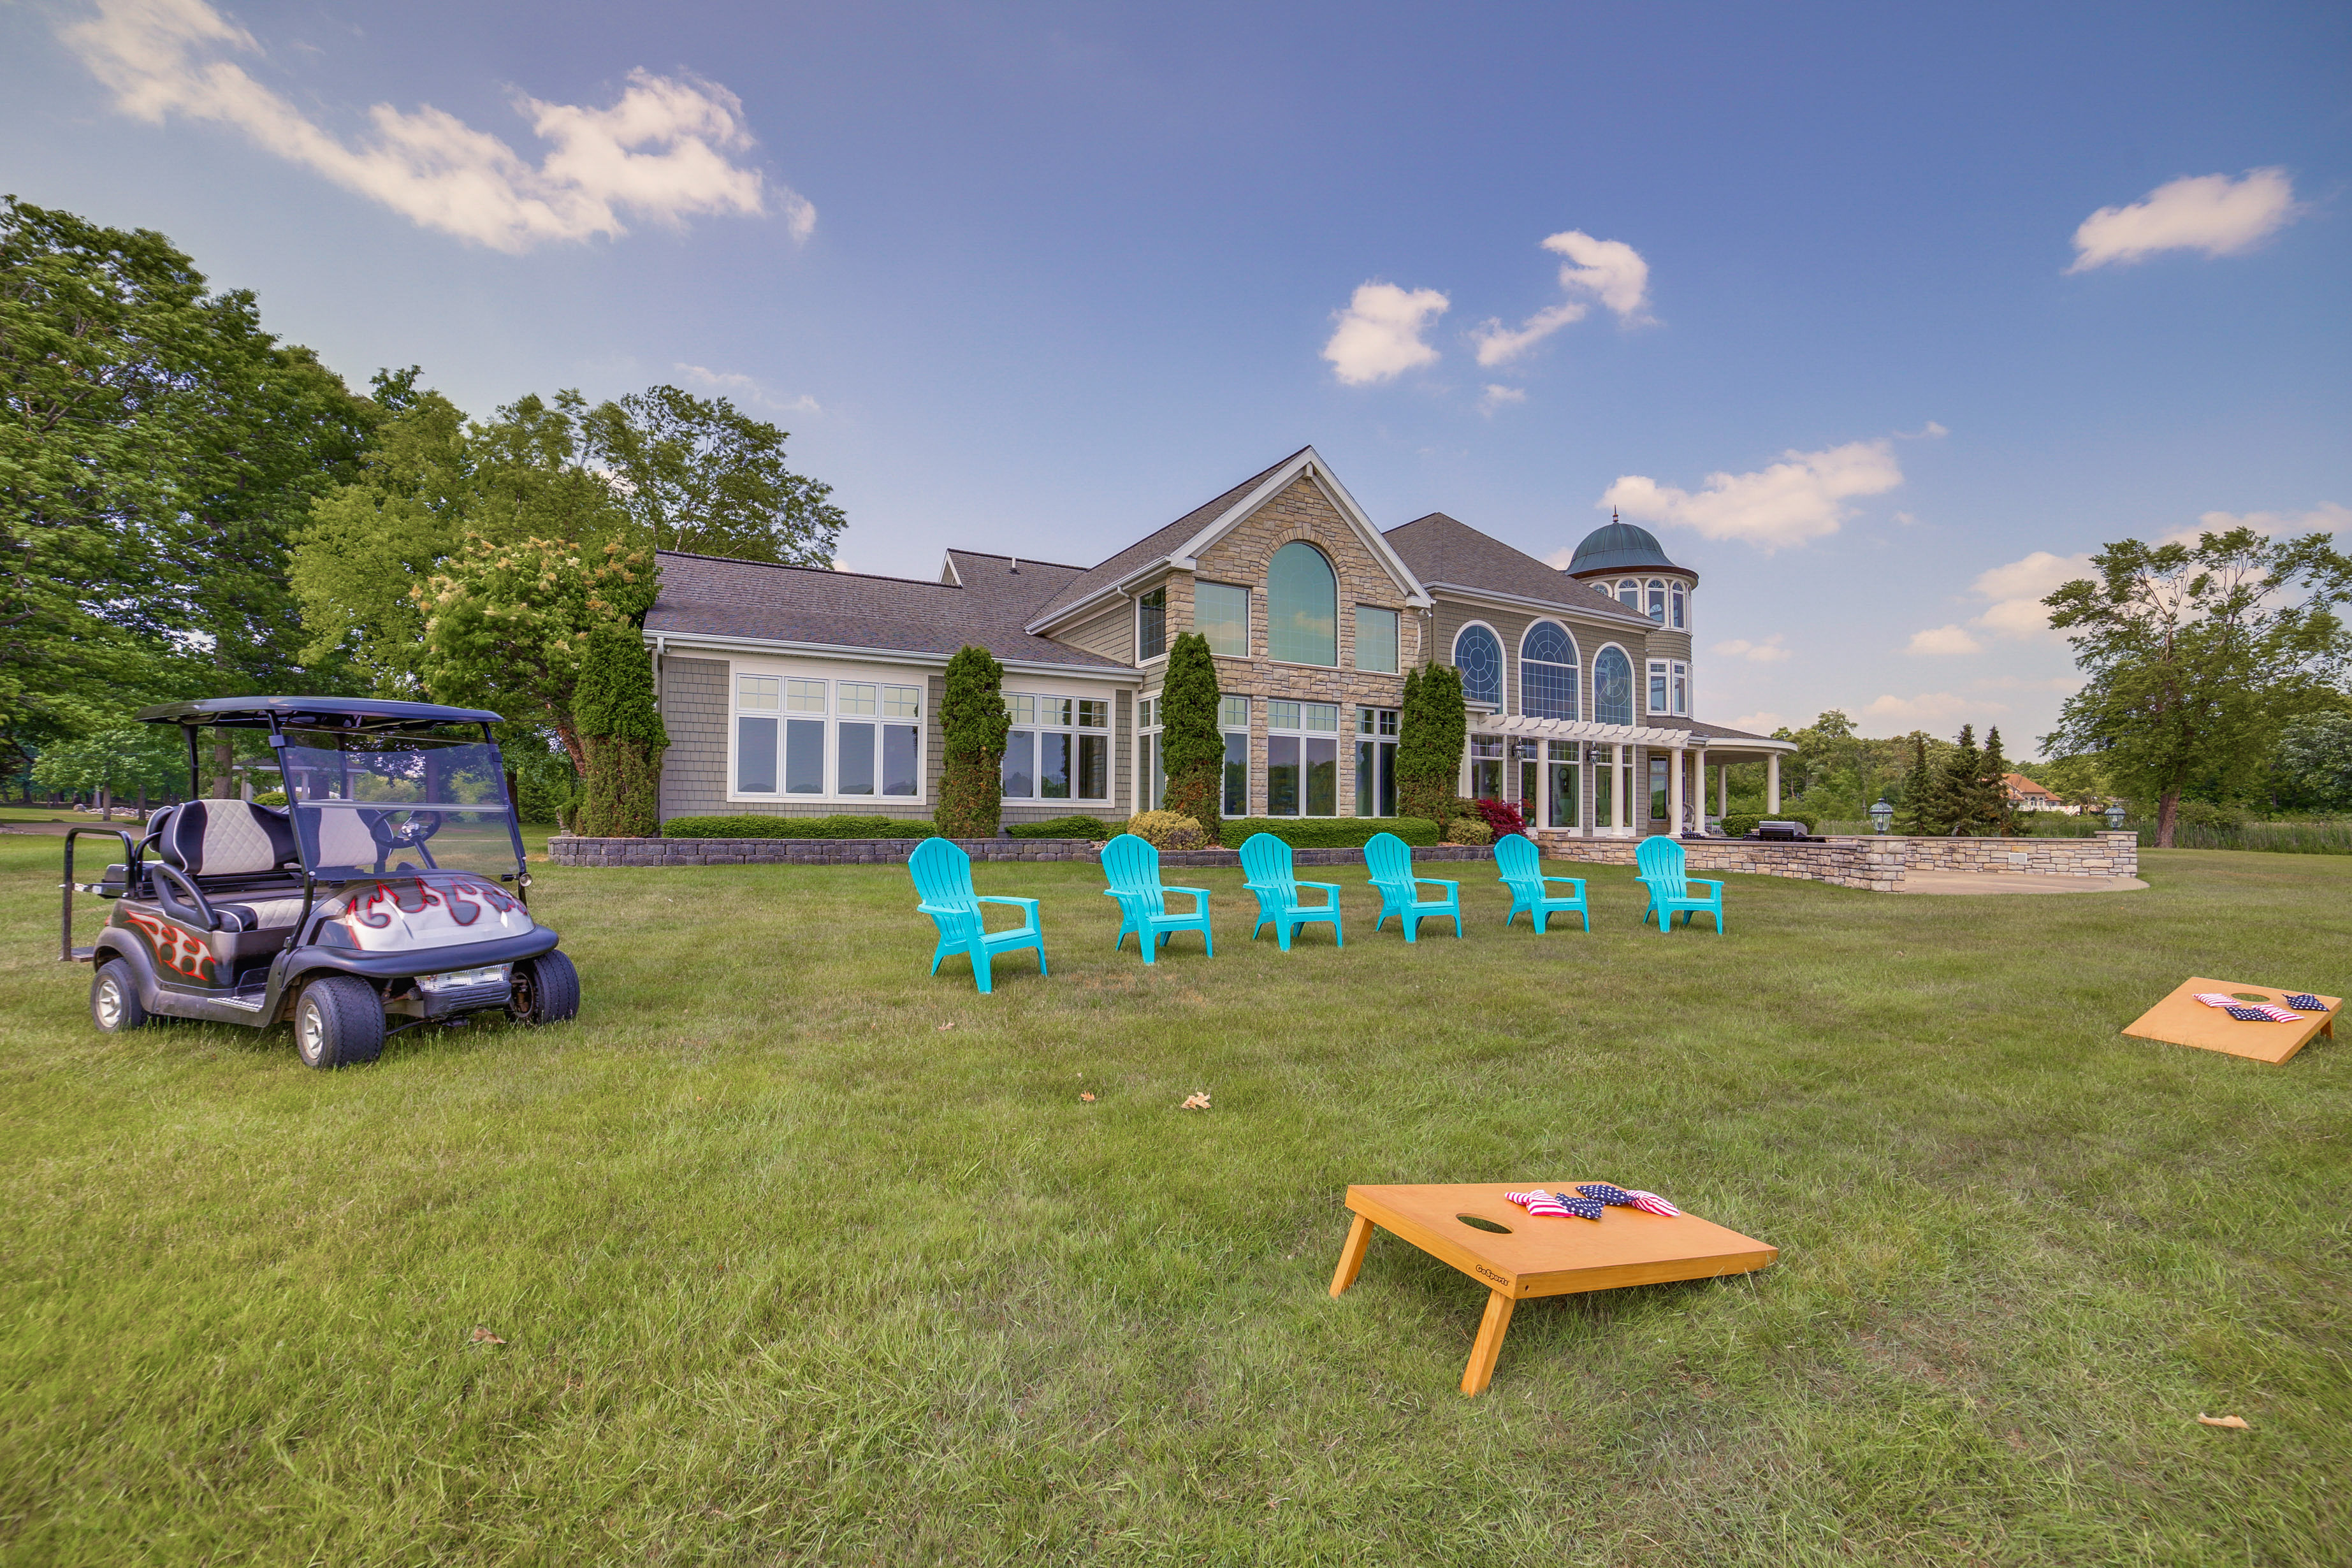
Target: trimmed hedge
(1330,832)
(1072,826)
(796,827)
(1740,823)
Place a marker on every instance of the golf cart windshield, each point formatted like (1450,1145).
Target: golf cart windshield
(364,805)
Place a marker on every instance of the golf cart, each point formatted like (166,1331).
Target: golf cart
(389,892)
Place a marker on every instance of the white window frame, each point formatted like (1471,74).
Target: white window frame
(827,681)
(1653,601)
(1575,662)
(1141,658)
(1299,730)
(1681,686)
(1657,689)
(1149,769)
(1633,586)
(1396,618)
(1632,671)
(1502,654)
(1330,565)
(1244,590)
(1232,730)
(1678,598)
(1038,725)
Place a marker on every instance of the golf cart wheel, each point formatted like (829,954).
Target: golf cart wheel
(114,1005)
(546,990)
(339,1022)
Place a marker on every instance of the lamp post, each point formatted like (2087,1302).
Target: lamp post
(2115,815)
(1881,815)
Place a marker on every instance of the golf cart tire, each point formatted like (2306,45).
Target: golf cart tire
(546,990)
(338,1021)
(114,994)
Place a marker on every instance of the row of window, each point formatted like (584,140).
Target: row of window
(845,738)
(1551,778)
(1661,598)
(1548,676)
(1302,757)
(1302,619)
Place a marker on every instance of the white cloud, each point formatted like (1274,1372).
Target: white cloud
(1378,334)
(732,384)
(665,152)
(1758,724)
(1769,651)
(1497,395)
(1793,501)
(1930,707)
(1941,640)
(2018,589)
(2327,517)
(1609,271)
(2211,213)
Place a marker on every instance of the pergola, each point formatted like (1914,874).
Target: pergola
(1691,749)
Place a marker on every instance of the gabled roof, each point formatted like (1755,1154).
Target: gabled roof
(712,596)
(1013,584)
(1445,552)
(1179,543)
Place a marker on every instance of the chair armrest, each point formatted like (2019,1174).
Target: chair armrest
(1025,903)
(943,909)
(1200,893)
(1576,882)
(1703,882)
(1327,887)
(1437,882)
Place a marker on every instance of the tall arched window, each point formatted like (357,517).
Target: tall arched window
(1479,656)
(1658,600)
(1302,605)
(1677,592)
(1629,594)
(1546,673)
(1612,687)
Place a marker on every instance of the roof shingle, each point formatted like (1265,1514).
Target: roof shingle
(1151,546)
(1440,549)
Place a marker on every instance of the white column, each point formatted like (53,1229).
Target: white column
(1772,784)
(1723,789)
(1679,756)
(1618,761)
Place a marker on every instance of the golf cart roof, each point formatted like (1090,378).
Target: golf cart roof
(362,713)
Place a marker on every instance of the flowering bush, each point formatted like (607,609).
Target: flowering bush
(1167,830)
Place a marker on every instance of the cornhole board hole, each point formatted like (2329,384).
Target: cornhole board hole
(2182,1020)
(1531,1256)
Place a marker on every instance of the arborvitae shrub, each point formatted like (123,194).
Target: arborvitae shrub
(973,725)
(621,731)
(1190,742)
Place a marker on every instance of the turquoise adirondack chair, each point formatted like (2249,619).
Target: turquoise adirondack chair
(1266,863)
(1659,865)
(1131,865)
(1521,865)
(942,874)
(1390,860)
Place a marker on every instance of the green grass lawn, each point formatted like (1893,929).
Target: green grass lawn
(800,1256)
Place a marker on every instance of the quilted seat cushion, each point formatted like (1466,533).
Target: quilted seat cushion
(225,838)
(258,914)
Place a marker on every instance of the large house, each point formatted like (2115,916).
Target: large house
(805,692)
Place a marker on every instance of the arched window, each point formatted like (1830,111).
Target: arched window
(1629,594)
(1479,656)
(1677,593)
(1658,600)
(1302,603)
(1546,673)
(1612,687)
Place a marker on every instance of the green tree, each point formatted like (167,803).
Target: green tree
(2078,781)
(1190,738)
(1991,813)
(973,727)
(696,475)
(613,709)
(1917,814)
(1432,728)
(507,626)
(121,758)
(2194,654)
(2315,758)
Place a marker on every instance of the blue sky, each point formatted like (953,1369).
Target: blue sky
(1039,278)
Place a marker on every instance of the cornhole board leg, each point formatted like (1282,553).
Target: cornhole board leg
(1489,1344)
(1352,1253)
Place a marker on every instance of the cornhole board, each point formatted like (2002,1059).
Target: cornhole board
(1538,1256)
(2182,1020)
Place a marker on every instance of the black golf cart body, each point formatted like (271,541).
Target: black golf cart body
(392,885)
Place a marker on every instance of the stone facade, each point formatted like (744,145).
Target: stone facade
(1877,862)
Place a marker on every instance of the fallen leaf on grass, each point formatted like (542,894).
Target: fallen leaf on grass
(483,1336)
(1087,1097)
(1197,1100)
(2235,1423)
(943,1028)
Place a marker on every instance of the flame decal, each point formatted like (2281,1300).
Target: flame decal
(179,951)
(464,900)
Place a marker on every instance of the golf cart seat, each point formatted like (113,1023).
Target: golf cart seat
(231,849)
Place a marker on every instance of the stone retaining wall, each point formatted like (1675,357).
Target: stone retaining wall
(566,851)
(2108,855)
(1877,862)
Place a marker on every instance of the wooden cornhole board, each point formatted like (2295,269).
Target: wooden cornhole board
(2182,1020)
(1540,1256)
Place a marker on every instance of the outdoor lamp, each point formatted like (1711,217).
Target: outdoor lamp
(2115,814)
(1881,815)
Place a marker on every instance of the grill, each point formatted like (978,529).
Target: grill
(1782,832)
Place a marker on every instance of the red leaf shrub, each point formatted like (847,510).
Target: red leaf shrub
(1503,816)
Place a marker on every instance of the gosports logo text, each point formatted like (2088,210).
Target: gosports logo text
(181,952)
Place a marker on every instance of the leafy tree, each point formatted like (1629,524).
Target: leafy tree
(1917,814)
(973,727)
(1432,728)
(2315,757)
(1190,738)
(2194,653)
(124,758)
(1991,815)
(696,475)
(613,709)
(507,626)
(2077,781)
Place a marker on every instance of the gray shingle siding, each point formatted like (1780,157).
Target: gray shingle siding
(694,712)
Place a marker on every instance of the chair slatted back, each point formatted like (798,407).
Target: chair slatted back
(1390,860)
(1516,861)
(1131,865)
(1659,863)
(942,874)
(1266,863)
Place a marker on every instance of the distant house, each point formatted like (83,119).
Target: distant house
(2024,794)
(792,690)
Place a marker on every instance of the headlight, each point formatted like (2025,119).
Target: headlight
(460,979)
